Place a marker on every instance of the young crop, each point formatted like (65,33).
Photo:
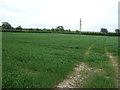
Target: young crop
(41,60)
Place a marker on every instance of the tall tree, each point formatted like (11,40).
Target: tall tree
(19,28)
(117,30)
(53,30)
(69,30)
(60,28)
(6,25)
(104,30)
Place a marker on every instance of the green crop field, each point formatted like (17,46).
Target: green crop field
(42,60)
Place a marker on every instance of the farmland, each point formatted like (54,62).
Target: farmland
(43,60)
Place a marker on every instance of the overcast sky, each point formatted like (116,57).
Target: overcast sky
(95,14)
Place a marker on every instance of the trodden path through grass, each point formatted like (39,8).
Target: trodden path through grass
(114,63)
(83,71)
(79,74)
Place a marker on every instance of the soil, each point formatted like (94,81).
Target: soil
(82,71)
(78,75)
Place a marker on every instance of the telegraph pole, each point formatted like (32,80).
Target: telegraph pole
(80,25)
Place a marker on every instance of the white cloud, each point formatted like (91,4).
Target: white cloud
(51,13)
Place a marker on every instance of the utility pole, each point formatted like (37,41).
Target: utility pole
(80,25)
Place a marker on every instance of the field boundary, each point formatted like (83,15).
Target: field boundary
(83,33)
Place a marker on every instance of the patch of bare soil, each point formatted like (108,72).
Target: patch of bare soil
(77,76)
(113,62)
(113,59)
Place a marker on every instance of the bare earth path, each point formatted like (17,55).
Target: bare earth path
(114,63)
(79,74)
(76,78)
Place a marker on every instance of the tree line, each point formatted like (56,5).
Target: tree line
(7,26)
(60,29)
